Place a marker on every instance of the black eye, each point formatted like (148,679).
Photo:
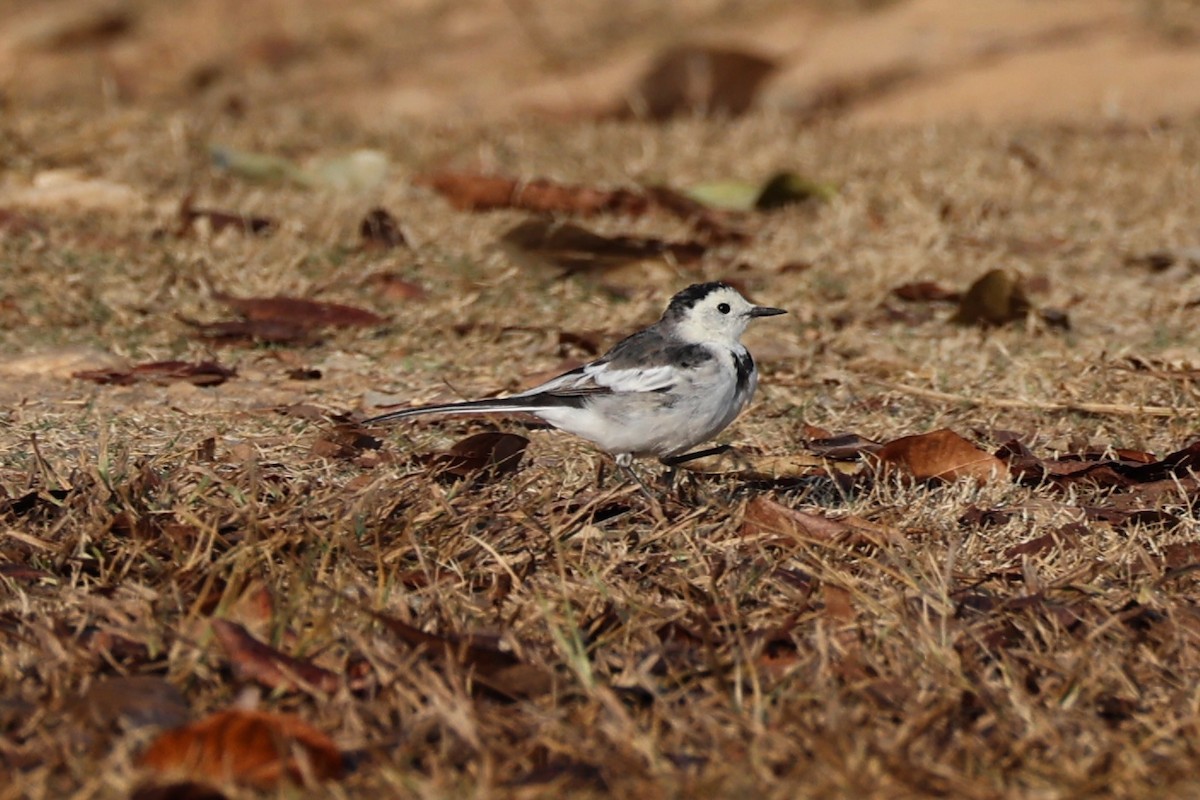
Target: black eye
(723,308)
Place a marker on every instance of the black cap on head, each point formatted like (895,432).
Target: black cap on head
(693,294)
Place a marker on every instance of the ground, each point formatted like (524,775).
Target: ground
(775,624)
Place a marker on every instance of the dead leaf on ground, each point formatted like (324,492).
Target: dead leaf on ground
(1162,260)
(130,702)
(259,748)
(348,441)
(764,516)
(996,298)
(1065,538)
(789,188)
(497,670)
(216,221)
(573,249)
(695,79)
(245,331)
(487,456)
(941,456)
(256,661)
(715,226)
(379,230)
(474,192)
(302,313)
(203,373)
(842,446)
(394,286)
(926,292)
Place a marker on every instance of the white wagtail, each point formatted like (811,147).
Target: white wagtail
(659,392)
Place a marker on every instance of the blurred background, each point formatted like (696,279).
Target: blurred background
(378,63)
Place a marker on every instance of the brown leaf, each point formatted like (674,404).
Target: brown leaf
(259,748)
(347,441)
(941,455)
(1065,538)
(393,286)
(379,230)
(218,221)
(244,330)
(996,298)
(716,227)
(253,660)
(203,373)
(130,702)
(305,314)
(490,455)
(498,670)
(766,517)
(472,192)
(842,446)
(926,291)
(572,249)
(694,79)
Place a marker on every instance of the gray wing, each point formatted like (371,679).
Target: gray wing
(647,361)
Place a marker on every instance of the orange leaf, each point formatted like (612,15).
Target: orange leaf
(253,660)
(765,516)
(259,748)
(941,455)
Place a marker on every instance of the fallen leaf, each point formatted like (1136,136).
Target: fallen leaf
(247,331)
(694,79)
(253,660)
(131,702)
(473,192)
(500,671)
(218,221)
(787,189)
(306,314)
(715,225)
(345,442)
(767,517)
(259,748)
(941,455)
(203,373)
(1065,538)
(379,230)
(489,456)
(89,26)
(393,286)
(572,249)
(842,446)
(996,298)
(926,291)
(1162,260)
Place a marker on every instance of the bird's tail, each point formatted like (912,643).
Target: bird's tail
(499,405)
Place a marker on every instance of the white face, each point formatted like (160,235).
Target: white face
(720,316)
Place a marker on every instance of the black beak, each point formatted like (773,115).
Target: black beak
(764,311)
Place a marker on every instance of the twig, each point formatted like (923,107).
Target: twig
(1111,409)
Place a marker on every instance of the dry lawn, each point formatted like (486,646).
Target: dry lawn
(684,648)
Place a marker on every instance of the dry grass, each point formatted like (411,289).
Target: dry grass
(690,659)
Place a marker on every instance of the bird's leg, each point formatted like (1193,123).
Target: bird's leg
(625,464)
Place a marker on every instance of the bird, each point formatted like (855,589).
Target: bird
(659,392)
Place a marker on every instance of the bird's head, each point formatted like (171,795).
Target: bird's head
(712,312)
